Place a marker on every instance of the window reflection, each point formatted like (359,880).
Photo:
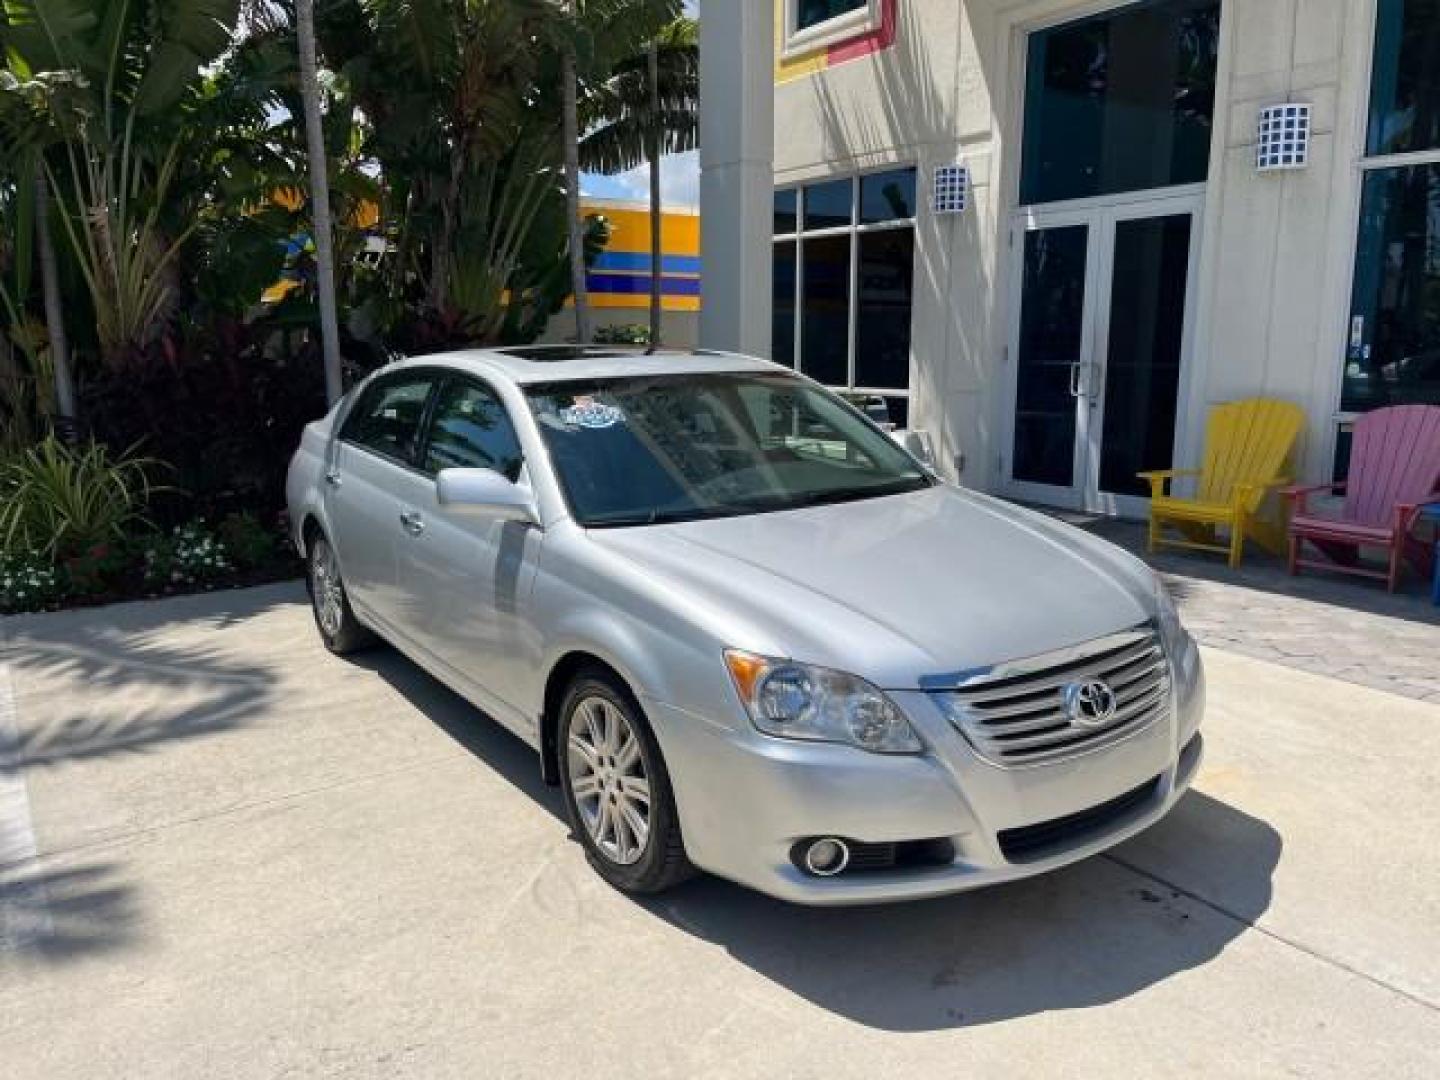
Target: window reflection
(1395,356)
(1121,102)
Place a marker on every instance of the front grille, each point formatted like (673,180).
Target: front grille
(1015,715)
(1036,841)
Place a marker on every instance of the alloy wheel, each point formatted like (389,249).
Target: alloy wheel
(608,779)
(326,591)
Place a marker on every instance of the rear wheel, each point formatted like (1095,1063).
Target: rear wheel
(339,629)
(617,790)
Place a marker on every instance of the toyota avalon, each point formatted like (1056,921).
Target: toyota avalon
(744,629)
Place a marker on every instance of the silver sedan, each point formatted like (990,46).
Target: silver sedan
(746,631)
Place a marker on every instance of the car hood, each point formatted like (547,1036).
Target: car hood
(906,591)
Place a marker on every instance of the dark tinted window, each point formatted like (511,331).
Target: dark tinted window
(782,349)
(472,430)
(825,345)
(1394,346)
(827,206)
(387,419)
(810,13)
(882,325)
(787,217)
(887,196)
(1405,93)
(1120,102)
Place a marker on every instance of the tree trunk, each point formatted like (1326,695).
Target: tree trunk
(652,151)
(54,309)
(319,199)
(572,197)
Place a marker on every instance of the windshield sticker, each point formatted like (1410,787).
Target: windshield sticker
(589,413)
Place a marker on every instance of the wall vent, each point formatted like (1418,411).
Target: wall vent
(952,189)
(1283,140)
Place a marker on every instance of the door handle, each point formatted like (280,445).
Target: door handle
(1075,379)
(412,522)
(332,477)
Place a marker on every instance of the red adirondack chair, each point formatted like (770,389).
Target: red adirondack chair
(1394,469)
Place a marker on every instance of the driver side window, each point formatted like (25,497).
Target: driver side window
(472,430)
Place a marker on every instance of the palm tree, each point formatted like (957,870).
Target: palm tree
(319,199)
(600,33)
(65,411)
(112,87)
(650,108)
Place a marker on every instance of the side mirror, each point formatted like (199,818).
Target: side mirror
(485,493)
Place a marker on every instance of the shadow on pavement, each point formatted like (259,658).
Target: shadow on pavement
(124,650)
(60,915)
(1094,933)
(489,741)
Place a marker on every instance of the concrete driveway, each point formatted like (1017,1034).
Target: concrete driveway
(224,853)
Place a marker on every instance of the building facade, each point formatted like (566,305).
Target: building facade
(1053,233)
(619,279)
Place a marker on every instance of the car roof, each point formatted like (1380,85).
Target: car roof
(532,364)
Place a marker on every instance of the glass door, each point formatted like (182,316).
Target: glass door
(1052,347)
(1099,345)
(1142,342)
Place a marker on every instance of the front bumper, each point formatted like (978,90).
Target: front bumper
(745,800)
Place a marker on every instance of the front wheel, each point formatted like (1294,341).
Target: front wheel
(617,790)
(339,629)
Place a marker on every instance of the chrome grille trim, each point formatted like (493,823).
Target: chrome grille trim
(1013,714)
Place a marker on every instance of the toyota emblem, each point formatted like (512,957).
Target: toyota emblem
(1089,704)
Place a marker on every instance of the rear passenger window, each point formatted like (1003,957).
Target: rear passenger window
(387,419)
(472,430)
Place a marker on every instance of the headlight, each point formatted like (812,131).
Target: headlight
(800,701)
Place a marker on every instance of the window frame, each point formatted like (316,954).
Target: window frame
(866,19)
(476,382)
(1364,163)
(854,230)
(435,376)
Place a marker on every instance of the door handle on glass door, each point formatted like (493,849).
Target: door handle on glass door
(1075,378)
(412,522)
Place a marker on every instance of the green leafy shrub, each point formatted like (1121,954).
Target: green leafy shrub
(28,583)
(189,555)
(251,544)
(100,569)
(632,334)
(57,501)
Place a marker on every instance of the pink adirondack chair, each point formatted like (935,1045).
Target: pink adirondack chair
(1394,469)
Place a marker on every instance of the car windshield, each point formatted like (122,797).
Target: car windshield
(657,449)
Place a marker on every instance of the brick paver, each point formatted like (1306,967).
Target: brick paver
(1345,628)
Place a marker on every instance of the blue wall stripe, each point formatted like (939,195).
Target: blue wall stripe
(639,262)
(638,285)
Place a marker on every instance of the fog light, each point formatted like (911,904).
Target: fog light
(827,857)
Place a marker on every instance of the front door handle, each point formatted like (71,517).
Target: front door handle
(412,522)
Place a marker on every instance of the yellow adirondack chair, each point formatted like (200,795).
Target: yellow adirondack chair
(1248,447)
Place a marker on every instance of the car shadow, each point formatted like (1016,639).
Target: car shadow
(1094,933)
(1165,902)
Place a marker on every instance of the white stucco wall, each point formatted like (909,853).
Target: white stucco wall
(1272,294)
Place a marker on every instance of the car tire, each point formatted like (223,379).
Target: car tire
(614,780)
(329,603)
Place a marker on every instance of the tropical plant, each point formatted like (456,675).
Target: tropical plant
(650,107)
(58,500)
(597,35)
(110,87)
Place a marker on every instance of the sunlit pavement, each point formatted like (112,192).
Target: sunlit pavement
(224,852)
